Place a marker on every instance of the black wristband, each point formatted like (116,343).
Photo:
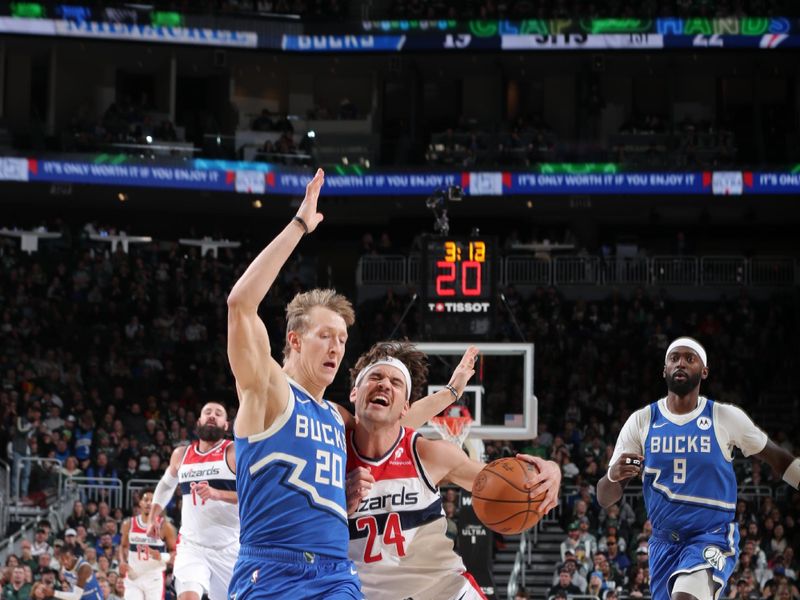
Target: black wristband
(302,223)
(452,390)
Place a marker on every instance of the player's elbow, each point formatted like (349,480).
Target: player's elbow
(237,303)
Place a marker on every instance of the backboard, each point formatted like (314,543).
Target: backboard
(500,395)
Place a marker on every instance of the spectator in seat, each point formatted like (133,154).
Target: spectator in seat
(71,540)
(26,557)
(596,584)
(616,556)
(40,545)
(347,110)
(571,564)
(262,122)
(572,540)
(744,591)
(564,585)
(16,588)
(78,515)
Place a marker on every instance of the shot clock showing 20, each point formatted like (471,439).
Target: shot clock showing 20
(458,287)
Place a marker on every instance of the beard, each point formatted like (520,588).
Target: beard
(210,433)
(682,388)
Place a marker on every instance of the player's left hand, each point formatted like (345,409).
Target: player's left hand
(358,483)
(308,208)
(547,480)
(465,370)
(205,491)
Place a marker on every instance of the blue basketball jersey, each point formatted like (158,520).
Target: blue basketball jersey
(91,589)
(689,484)
(290,480)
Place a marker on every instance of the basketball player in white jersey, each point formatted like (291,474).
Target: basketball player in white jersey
(209,534)
(397,525)
(683,445)
(144,559)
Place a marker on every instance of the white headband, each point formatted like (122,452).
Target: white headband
(689,343)
(392,362)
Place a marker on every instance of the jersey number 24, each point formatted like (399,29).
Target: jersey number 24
(392,534)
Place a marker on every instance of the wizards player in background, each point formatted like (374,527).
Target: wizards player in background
(683,446)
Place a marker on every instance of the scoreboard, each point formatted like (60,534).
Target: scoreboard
(458,287)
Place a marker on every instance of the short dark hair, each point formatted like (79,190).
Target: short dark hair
(415,360)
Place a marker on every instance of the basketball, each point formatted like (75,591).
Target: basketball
(500,499)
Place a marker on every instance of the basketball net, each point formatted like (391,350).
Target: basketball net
(452,429)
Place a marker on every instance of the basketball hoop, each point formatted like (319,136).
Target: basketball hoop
(452,429)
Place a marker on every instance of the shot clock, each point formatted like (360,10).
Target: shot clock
(458,287)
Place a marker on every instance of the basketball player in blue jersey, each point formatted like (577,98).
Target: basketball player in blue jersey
(682,446)
(79,575)
(290,441)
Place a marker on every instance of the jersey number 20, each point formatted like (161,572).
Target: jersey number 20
(392,534)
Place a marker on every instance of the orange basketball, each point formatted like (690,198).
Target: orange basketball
(500,499)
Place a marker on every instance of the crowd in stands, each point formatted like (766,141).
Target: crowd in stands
(526,141)
(558,9)
(123,123)
(644,140)
(106,358)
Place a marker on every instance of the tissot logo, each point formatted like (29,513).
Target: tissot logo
(459,307)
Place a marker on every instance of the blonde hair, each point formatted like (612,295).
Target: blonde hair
(298,309)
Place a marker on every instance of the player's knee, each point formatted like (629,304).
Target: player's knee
(694,586)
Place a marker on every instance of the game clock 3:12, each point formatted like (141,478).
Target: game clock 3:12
(458,286)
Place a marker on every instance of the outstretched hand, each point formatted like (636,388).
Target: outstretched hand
(547,480)
(465,370)
(308,209)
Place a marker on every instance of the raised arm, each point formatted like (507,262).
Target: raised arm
(260,384)
(424,409)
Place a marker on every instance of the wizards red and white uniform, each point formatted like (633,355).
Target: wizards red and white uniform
(145,579)
(397,534)
(208,543)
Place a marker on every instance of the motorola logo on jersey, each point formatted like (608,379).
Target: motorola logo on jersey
(680,444)
(201,473)
(704,423)
(459,307)
(402,498)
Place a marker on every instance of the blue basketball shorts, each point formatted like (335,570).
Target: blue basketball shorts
(674,553)
(277,574)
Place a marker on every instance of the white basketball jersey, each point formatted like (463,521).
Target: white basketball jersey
(138,555)
(211,523)
(397,534)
